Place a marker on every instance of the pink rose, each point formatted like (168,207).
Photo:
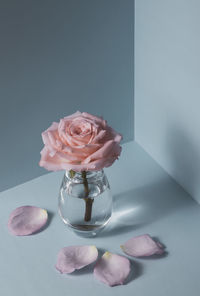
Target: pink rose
(79,142)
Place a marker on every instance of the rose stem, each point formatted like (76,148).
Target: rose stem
(72,173)
(88,201)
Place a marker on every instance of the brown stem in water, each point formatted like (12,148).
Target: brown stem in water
(88,209)
(88,200)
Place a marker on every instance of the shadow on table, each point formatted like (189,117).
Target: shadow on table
(135,208)
(137,270)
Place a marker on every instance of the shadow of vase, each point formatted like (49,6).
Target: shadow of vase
(136,208)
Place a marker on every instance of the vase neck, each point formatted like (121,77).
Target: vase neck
(80,175)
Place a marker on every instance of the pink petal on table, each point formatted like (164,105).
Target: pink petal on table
(27,220)
(75,257)
(112,269)
(142,245)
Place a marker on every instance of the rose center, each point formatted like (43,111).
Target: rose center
(81,128)
(77,130)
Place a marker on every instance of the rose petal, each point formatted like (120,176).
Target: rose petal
(100,163)
(83,150)
(27,220)
(56,162)
(114,135)
(110,149)
(97,119)
(74,115)
(142,245)
(51,139)
(112,269)
(68,158)
(60,161)
(99,136)
(75,257)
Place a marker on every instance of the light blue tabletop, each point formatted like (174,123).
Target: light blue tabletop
(146,200)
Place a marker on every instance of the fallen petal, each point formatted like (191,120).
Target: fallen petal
(75,257)
(142,245)
(112,269)
(27,220)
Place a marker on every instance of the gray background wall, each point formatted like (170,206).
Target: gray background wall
(167,86)
(58,57)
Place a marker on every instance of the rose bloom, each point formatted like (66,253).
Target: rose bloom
(79,142)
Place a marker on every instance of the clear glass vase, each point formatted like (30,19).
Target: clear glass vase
(85,202)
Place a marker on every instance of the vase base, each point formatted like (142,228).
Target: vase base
(87,234)
(86,230)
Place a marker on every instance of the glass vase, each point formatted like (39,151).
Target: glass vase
(85,202)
